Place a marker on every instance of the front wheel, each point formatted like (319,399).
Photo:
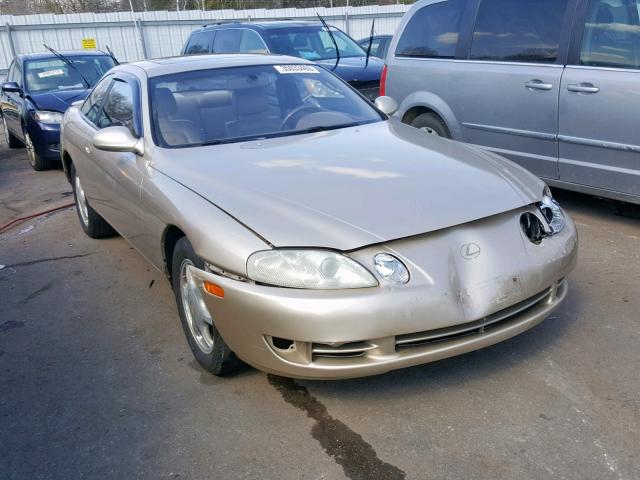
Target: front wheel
(205,341)
(36,161)
(91,222)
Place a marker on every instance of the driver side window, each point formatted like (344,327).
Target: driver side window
(91,106)
(118,109)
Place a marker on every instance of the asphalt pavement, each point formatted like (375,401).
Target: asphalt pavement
(97,381)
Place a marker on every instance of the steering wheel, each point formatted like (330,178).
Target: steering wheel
(296,111)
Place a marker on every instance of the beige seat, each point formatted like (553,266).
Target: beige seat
(174,129)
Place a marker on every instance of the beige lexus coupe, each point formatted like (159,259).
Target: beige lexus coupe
(303,230)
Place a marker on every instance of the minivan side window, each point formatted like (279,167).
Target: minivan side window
(433,31)
(252,43)
(199,43)
(518,30)
(227,41)
(611,35)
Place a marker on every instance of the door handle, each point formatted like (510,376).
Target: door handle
(537,84)
(583,88)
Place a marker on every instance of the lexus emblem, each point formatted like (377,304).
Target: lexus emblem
(469,251)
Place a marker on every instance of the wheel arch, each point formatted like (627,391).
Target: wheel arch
(170,238)
(66,164)
(426,102)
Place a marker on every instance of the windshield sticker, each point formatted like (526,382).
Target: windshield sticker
(296,69)
(51,73)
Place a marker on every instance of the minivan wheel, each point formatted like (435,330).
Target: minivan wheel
(205,342)
(431,124)
(624,209)
(10,138)
(91,222)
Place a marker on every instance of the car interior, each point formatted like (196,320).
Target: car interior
(243,106)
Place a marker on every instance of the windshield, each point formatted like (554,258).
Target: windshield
(313,43)
(226,105)
(50,74)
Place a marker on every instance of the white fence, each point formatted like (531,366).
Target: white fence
(139,35)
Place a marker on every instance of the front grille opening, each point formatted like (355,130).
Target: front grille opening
(532,227)
(345,350)
(282,343)
(473,328)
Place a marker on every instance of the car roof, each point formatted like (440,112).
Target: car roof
(266,25)
(66,53)
(169,65)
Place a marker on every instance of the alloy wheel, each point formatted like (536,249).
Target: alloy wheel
(5,129)
(31,151)
(196,312)
(81,201)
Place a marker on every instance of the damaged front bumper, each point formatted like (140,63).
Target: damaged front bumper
(471,286)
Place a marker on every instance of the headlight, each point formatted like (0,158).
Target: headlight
(314,269)
(552,212)
(45,116)
(390,268)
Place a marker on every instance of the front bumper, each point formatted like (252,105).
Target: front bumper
(45,138)
(452,304)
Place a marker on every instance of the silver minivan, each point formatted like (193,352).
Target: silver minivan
(551,84)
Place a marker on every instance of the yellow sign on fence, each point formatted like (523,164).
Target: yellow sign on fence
(89,43)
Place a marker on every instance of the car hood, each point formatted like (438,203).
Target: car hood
(57,101)
(352,187)
(353,69)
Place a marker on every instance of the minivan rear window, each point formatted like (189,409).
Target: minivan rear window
(432,32)
(518,30)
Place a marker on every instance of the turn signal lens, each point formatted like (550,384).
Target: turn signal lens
(214,289)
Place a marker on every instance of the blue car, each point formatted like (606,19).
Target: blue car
(38,89)
(308,40)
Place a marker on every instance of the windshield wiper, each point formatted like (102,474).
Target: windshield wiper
(333,40)
(373,24)
(68,62)
(115,60)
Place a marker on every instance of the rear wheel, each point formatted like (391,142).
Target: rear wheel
(36,161)
(91,222)
(431,124)
(625,209)
(205,341)
(11,139)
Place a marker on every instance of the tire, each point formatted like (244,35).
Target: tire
(11,139)
(36,161)
(205,341)
(91,222)
(625,209)
(432,124)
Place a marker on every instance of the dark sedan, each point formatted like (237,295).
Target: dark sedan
(379,45)
(38,90)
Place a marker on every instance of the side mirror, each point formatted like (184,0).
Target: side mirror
(11,87)
(118,139)
(386,105)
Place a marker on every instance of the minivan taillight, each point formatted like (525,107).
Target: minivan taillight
(383,81)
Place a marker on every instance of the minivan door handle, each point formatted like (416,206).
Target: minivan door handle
(537,84)
(583,88)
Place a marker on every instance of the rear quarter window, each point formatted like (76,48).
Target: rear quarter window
(199,43)
(433,31)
